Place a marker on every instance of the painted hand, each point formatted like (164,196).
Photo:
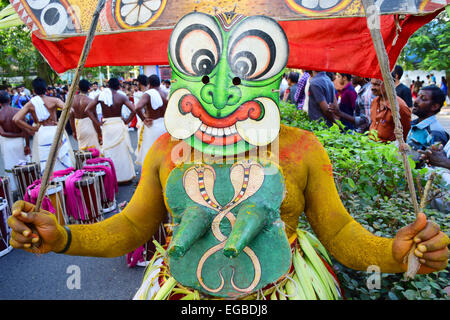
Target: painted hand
(50,232)
(432,244)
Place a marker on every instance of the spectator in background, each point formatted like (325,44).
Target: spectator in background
(426,130)
(402,91)
(283,85)
(346,99)
(382,120)
(300,93)
(93,93)
(416,88)
(361,116)
(321,94)
(166,87)
(444,87)
(293,83)
(433,79)
(20,98)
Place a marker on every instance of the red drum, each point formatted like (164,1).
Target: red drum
(81,157)
(5,191)
(88,207)
(25,175)
(107,204)
(55,192)
(5,230)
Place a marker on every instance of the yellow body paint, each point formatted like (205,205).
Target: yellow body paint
(310,189)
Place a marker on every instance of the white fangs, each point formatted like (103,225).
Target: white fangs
(218,132)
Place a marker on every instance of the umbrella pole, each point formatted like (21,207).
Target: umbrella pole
(65,112)
(373,23)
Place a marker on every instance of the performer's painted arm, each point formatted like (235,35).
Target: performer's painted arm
(112,237)
(348,241)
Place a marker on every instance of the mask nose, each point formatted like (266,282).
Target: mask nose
(220,96)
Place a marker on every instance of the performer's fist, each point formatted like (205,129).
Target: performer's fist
(432,244)
(51,235)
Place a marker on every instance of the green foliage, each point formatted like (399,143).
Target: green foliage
(371,182)
(429,45)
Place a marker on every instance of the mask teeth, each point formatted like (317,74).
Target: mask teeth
(218,132)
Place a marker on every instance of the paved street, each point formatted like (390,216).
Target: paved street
(25,276)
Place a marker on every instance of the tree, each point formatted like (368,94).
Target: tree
(428,49)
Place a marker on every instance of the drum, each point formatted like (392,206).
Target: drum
(87,207)
(107,204)
(55,193)
(5,190)
(81,157)
(5,230)
(25,175)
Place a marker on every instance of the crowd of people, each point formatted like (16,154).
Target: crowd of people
(101,117)
(362,105)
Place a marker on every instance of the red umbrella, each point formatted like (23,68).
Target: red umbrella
(329,35)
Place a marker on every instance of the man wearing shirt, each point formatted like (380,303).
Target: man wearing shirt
(381,114)
(346,98)
(426,130)
(321,95)
(402,91)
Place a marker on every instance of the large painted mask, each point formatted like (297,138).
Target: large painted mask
(226,71)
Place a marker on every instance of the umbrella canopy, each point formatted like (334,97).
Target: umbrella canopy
(329,35)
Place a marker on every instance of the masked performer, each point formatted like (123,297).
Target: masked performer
(43,110)
(235,182)
(116,139)
(82,126)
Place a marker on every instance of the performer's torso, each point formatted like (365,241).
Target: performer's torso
(293,146)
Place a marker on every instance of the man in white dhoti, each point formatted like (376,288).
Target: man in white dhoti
(150,109)
(95,91)
(14,142)
(43,110)
(142,87)
(116,138)
(83,128)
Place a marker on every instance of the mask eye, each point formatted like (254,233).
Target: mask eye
(195,45)
(258,49)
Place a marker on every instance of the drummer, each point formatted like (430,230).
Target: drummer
(43,110)
(14,141)
(82,126)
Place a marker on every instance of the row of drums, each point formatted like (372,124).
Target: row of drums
(80,195)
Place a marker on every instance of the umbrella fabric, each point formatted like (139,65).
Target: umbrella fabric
(341,44)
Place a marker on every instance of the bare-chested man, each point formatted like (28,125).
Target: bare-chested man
(84,131)
(114,129)
(150,108)
(12,145)
(43,110)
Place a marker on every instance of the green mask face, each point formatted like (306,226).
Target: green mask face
(227,71)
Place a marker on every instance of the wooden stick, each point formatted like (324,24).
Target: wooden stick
(423,201)
(65,112)
(373,23)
